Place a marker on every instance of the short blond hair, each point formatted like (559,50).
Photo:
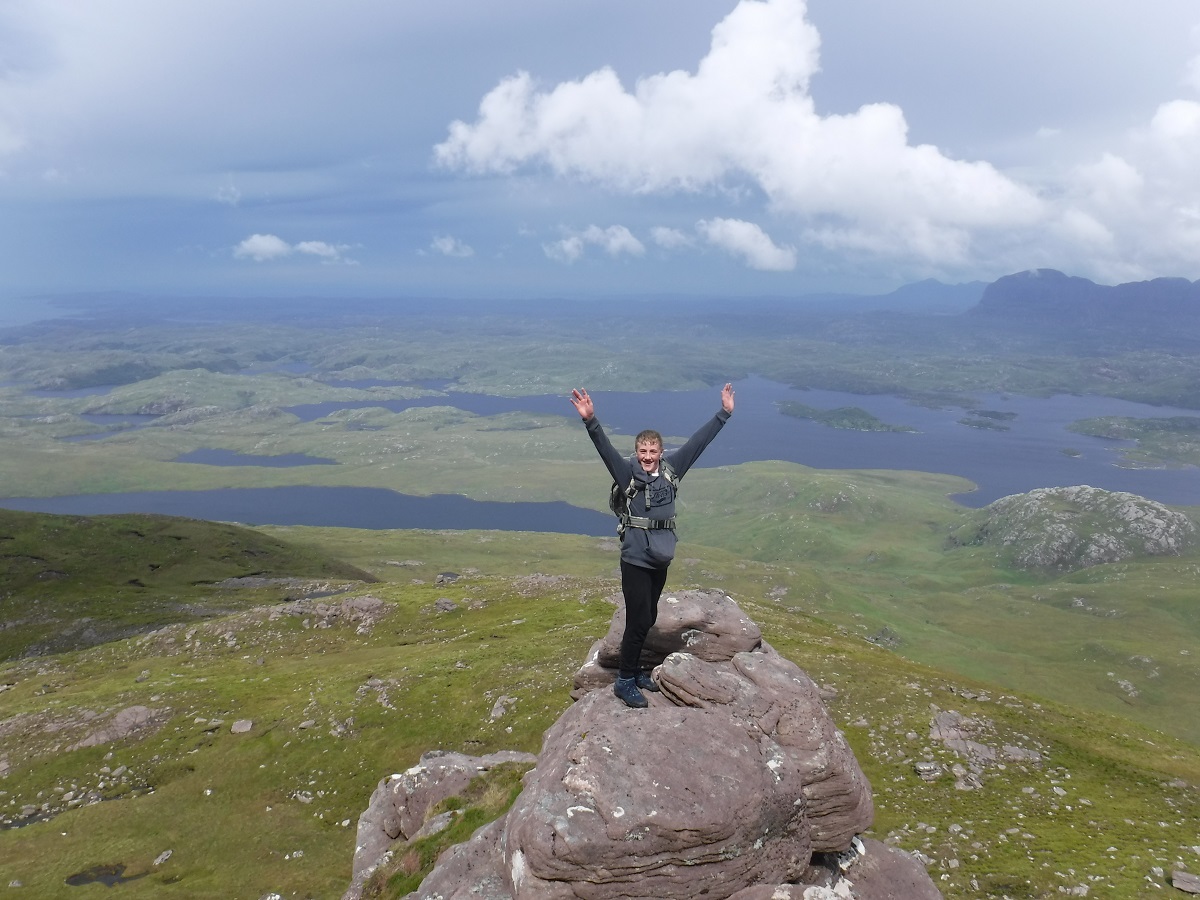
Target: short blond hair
(649,436)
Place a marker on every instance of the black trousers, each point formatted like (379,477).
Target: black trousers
(642,588)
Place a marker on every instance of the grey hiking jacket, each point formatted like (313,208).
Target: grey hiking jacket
(652,549)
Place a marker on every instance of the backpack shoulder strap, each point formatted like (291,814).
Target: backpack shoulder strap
(668,471)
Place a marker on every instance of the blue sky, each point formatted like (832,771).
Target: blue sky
(590,149)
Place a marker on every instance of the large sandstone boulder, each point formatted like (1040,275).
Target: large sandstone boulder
(705,624)
(650,803)
(780,701)
(733,783)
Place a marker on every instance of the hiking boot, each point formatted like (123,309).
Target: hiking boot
(627,692)
(645,682)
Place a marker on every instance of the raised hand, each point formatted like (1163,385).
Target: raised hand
(727,398)
(583,404)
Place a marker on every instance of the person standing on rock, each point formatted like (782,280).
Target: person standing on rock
(648,529)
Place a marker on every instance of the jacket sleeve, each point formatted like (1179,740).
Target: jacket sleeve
(618,466)
(683,458)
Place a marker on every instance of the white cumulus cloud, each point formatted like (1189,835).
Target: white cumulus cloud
(614,240)
(262,247)
(1135,214)
(1177,121)
(269,247)
(670,238)
(748,242)
(746,116)
(451,246)
(319,248)
(566,250)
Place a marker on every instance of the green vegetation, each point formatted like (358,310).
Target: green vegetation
(71,581)
(337,704)
(487,797)
(850,418)
(988,419)
(994,414)
(1169,441)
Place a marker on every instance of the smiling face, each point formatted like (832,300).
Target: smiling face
(648,455)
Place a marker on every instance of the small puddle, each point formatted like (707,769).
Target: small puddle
(109,875)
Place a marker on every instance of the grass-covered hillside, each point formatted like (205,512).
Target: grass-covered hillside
(73,581)
(247,743)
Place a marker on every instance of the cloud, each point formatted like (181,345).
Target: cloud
(1191,72)
(1177,122)
(745,117)
(172,119)
(615,240)
(749,242)
(320,248)
(567,250)
(1136,214)
(670,238)
(228,194)
(1111,186)
(451,246)
(1192,76)
(269,247)
(262,248)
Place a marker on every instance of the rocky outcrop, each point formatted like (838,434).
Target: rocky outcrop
(364,612)
(128,722)
(733,783)
(967,737)
(398,807)
(1068,528)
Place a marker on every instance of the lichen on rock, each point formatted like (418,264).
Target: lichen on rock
(1069,528)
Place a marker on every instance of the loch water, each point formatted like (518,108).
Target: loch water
(1030,447)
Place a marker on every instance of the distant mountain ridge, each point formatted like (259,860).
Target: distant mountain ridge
(1047,298)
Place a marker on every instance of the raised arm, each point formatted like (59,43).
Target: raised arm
(618,466)
(683,458)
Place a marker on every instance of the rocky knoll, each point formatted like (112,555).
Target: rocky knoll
(734,783)
(1067,528)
